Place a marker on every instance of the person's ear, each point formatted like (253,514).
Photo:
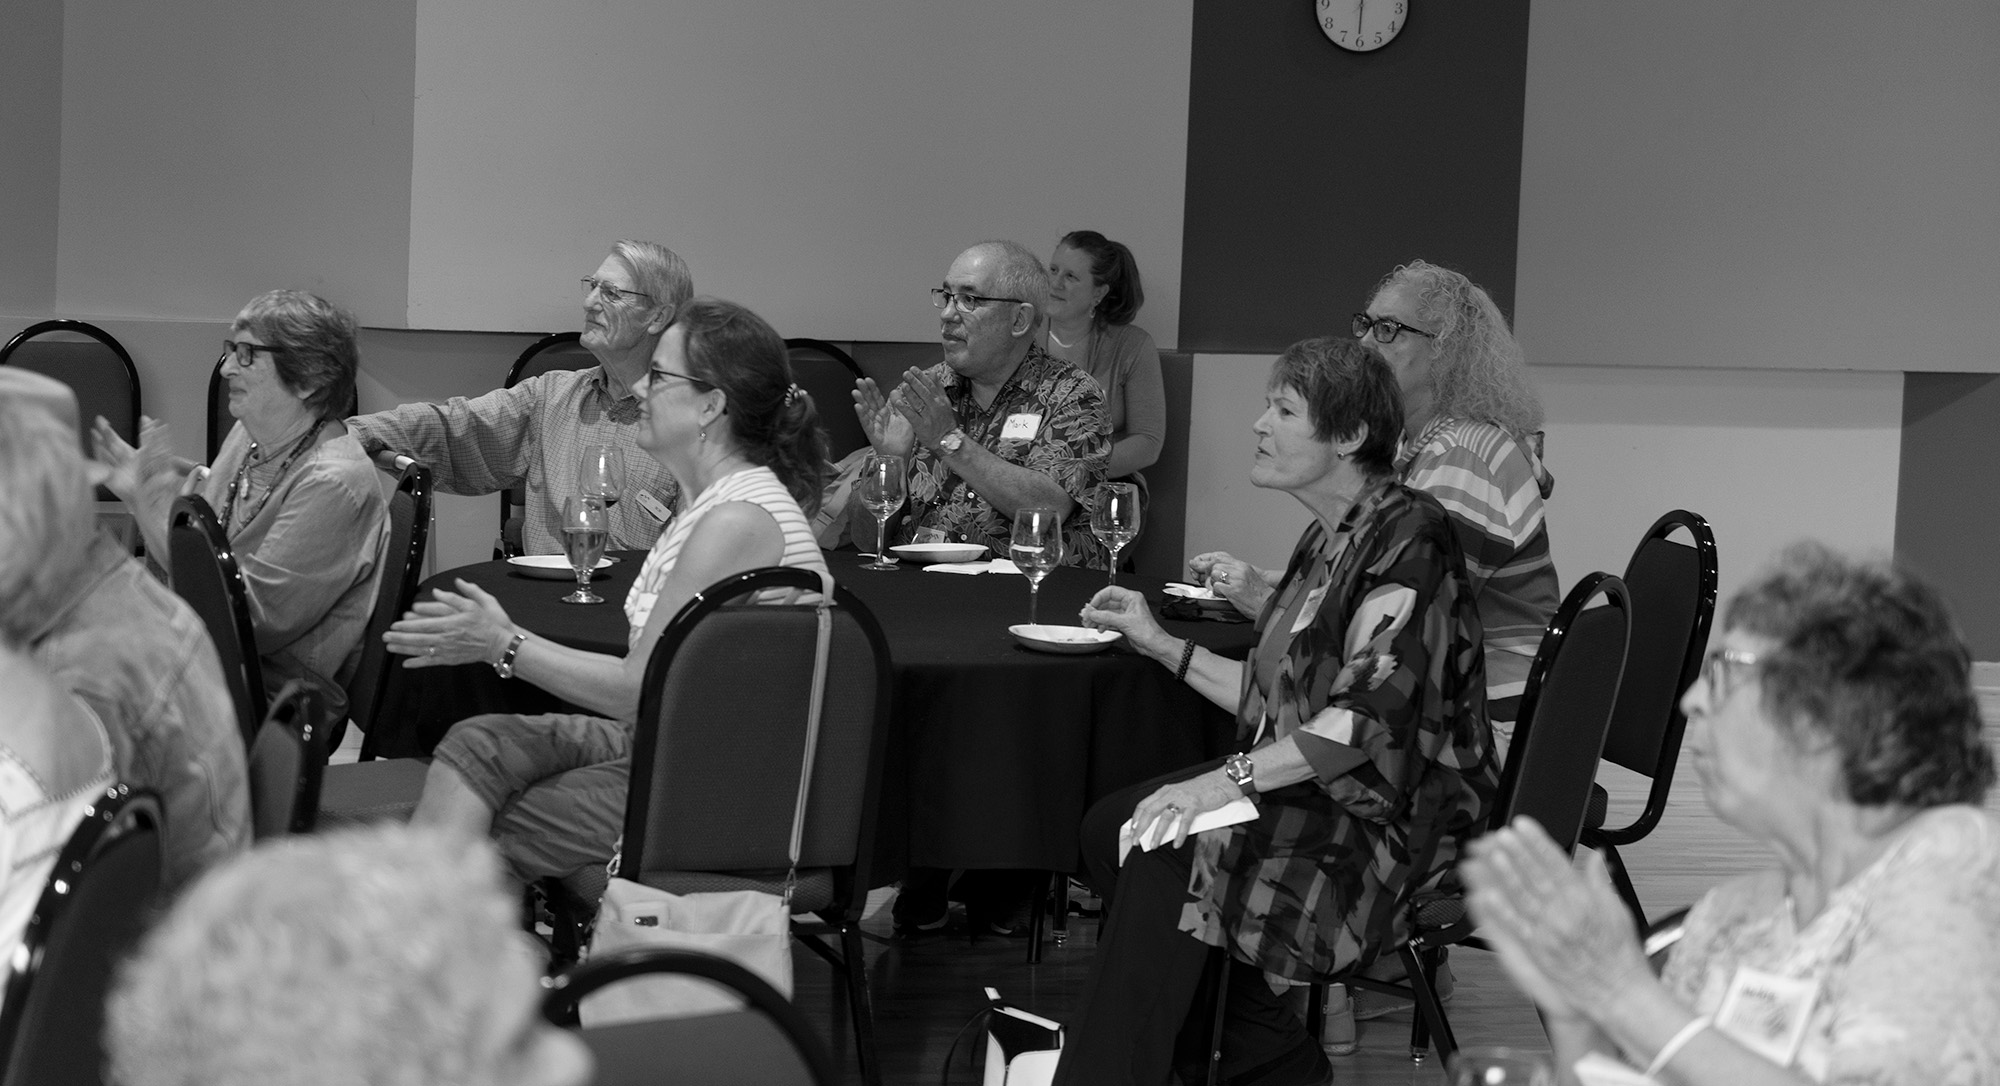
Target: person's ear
(663,318)
(1347,446)
(1026,317)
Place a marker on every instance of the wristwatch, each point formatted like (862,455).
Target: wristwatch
(1241,772)
(952,442)
(505,665)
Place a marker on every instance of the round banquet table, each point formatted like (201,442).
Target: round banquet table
(995,750)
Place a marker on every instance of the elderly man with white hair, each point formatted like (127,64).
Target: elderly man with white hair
(1000,425)
(102,628)
(533,435)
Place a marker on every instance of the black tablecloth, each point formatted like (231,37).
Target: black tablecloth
(995,750)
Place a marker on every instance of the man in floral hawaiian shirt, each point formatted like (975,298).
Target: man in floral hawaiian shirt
(999,425)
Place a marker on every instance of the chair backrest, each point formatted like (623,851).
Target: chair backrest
(829,374)
(555,351)
(286,764)
(202,564)
(220,420)
(1566,710)
(768,1042)
(91,914)
(721,727)
(370,693)
(1673,588)
(92,363)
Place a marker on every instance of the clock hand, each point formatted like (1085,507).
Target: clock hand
(1359,8)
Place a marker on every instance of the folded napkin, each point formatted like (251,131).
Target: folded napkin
(997,565)
(1162,829)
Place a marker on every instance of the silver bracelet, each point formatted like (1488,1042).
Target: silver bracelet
(1675,1043)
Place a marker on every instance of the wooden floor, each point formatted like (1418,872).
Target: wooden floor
(926,991)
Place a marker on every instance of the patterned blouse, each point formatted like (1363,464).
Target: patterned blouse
(1369,656)
(1057,411)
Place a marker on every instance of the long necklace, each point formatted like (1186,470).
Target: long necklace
(1088,341)
(240,485)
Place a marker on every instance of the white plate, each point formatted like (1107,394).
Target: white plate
(1188,591)
(549,567)
(1065,639)
(926,553)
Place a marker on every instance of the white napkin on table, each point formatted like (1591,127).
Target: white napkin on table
(997,565)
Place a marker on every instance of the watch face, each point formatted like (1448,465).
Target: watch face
(1362,26)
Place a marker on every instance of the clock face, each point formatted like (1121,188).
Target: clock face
(1362,26)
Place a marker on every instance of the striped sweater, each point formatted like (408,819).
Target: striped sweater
(1493,488)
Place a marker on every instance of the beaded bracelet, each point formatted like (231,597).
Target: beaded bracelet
(1187,657)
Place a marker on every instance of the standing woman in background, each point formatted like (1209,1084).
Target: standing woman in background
(1094,293)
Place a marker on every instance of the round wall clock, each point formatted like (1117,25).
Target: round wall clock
(1362,26)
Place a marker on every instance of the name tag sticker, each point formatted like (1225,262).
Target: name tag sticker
(929,535)
(1767,1013)
(1020,427)
(652,505)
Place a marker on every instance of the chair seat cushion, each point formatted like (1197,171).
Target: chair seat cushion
(814,891)
(1440,913)
(359,793)
(1599,804)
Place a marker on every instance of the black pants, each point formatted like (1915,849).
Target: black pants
(1148,1004)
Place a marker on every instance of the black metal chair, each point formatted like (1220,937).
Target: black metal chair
(91,362)
(372,692)
(286,764)
(92,913)
(768,1042)
(202,563)
(1673,589)
(829,374)
(1565,714)
(710,805)
(556,351)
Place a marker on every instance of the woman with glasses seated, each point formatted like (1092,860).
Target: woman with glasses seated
(720,411)
(294,493)
(1360,715)
(1094,293)
(1836,725)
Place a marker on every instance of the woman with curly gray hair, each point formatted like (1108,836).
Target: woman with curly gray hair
(1836,724)
(294,491)
(385,957)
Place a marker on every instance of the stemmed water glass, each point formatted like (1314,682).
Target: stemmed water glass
(1037,548)
(584,532)
(1115,518)
(601,474)
(881,488)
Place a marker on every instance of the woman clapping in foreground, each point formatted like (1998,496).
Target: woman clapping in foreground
(1836,724)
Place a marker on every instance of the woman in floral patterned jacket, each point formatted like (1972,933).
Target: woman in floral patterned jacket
(1361,713)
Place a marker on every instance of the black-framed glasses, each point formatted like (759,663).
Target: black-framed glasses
(614,295)
(1716,674)
(656,376)
(245,354)
(941,297)
(1386,329)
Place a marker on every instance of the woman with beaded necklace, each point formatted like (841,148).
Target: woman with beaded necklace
(294,492)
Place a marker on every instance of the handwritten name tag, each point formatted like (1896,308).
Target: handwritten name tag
(1767,1013)
(653,505)
(1020,427)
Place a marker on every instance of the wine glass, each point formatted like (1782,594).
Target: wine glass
(881,491)
(584,533)
(601,474)
(1115,518)
(1485,1066)
(1037,548)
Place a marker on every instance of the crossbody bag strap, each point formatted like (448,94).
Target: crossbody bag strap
(814,707)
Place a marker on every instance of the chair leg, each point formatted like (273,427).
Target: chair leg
(860,1007)
(1428,1025)
(1059,897)
(1037,920)
(1622,882)
(1316,1011)
(1215,1028)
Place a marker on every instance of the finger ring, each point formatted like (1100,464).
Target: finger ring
(434,650)
(1173,807)
(1223,577)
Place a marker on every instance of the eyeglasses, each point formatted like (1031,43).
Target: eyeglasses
(942,297)
(614,295)
(656,377)
(1715,672)
(1386,330)
(245,354)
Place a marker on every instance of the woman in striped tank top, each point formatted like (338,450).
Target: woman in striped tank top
(722,414)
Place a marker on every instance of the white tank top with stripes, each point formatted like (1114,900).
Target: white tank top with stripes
(759,487)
